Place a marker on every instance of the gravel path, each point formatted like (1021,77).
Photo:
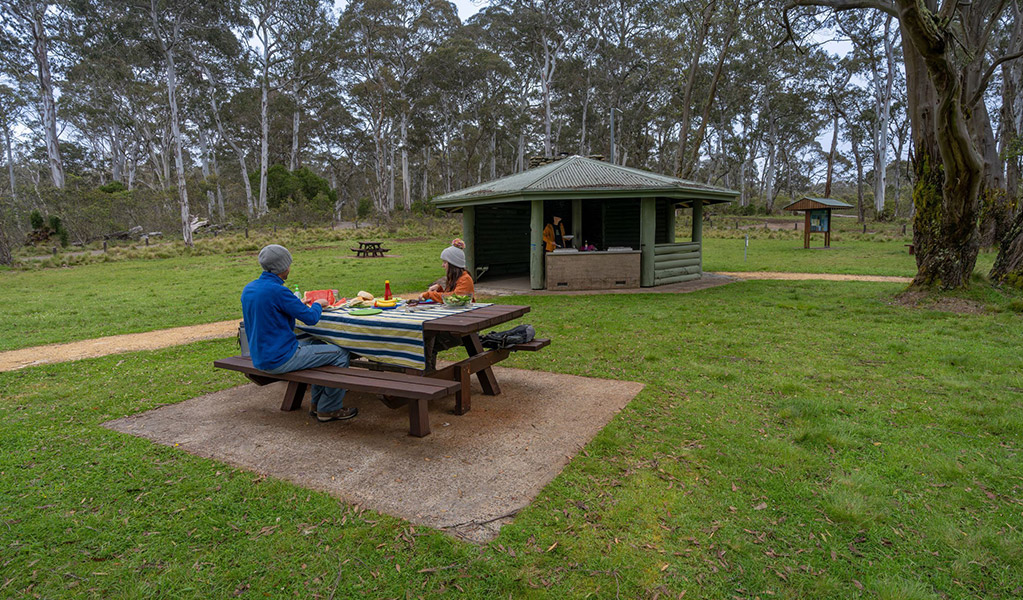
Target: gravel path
(154,340)
(814,276)
(116,344)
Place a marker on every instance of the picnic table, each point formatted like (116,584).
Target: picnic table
(397,357)
(408,342)
(370,250)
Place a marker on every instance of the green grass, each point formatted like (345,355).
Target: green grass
(784,252)
(128,296)
(794,440)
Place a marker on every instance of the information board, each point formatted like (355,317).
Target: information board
(819,220)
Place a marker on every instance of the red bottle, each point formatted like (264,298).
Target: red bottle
(387,290)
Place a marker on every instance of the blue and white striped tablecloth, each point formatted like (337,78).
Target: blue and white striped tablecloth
(392,336)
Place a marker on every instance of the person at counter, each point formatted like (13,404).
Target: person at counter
(457,280)
(554,234)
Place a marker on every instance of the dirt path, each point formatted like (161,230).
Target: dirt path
(154,340)
(814,276)
(116,344)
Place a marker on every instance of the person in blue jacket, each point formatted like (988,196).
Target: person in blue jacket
(269,310)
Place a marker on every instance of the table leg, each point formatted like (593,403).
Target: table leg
(463,397)
(293,397)
(486,376)
(418,418)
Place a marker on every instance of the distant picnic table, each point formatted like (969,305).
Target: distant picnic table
(370,250)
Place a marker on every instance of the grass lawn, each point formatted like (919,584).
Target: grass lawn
(794,440)
(783,251)
(86,301)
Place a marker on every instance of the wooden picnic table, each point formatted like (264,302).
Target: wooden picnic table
(370,250)
(479,360)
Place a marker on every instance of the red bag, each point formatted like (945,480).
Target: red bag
(314,295)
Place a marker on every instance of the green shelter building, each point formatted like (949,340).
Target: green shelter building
(618,223)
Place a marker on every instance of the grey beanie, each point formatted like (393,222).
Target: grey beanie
(453,256)
(275,258)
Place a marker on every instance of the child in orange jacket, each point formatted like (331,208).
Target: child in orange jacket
(458,281)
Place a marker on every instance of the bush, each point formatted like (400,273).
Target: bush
(35,219)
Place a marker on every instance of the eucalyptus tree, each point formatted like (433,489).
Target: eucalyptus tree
(11,105)
(874,54)
(28,25)
(949,63)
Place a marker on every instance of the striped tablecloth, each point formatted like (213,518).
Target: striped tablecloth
(392,336)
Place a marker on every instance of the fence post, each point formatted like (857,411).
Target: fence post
(104,245)
(55,251)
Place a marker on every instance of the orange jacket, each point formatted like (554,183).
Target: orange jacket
(463,287)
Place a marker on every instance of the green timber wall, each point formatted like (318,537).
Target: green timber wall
(674,263)
(502,238)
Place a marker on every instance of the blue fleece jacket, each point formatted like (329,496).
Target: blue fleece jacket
(269,310)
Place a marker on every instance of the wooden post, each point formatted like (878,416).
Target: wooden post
(671,222)
(806,230)
(647,237)
(536,248)
(147,241)
(55,249)
(577,223)
(698,221)
(104,246)
(469,237)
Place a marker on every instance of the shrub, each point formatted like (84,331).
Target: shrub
(35,219)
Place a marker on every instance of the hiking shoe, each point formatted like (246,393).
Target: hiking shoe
(342,414)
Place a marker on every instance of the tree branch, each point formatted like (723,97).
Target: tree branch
(982,85)
(839,5)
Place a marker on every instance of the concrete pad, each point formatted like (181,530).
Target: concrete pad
(469,477)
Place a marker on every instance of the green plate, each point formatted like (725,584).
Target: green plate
(364,311)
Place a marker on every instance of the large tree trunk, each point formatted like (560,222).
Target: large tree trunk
(172,99)
(771,165)
(204,153)
(691,162)
(10,163)
(264,138)
(406,184)
(948,168)
(687,95)
(48,108)
(831,154)
(238,152)
(884,101)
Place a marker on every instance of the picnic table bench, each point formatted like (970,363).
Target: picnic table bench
(370,250)
(396,389)
(400,385)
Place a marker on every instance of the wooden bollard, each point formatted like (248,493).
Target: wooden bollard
(864,228)
(903,229)
(246,233)
(104,245)
(55,251)
(795,226)
(147,241)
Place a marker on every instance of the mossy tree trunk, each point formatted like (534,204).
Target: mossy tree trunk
(1008,268)
(949,169)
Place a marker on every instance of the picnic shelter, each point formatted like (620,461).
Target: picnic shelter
(618,224)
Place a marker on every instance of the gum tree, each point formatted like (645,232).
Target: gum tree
(948,66)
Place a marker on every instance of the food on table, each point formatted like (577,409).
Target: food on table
(365,295)
(386,303)
(457,299)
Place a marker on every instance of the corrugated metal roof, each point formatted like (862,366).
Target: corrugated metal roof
(829,202)
(580,174)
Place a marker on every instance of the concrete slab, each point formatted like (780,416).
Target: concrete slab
(469,477)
